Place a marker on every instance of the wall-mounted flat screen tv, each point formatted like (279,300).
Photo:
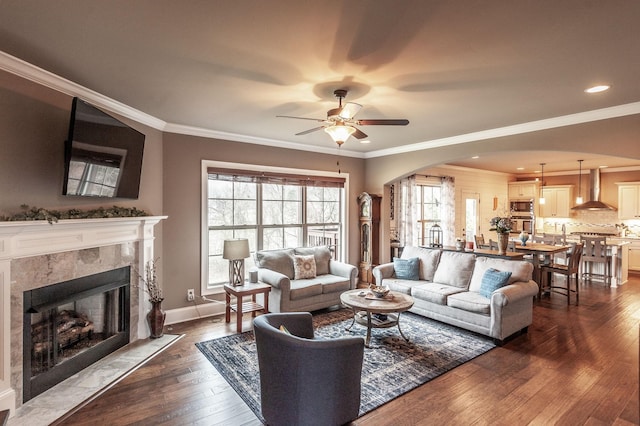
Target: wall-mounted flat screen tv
(103,156)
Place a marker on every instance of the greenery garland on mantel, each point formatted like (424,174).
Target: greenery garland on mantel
(51,216)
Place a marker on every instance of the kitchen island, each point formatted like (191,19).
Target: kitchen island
(634,251)
(619,252)
(619,261)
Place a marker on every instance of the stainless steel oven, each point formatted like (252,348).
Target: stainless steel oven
(522,223)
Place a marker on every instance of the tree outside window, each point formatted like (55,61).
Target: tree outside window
(272,213)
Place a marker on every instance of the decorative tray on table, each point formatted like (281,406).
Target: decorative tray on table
(371,296)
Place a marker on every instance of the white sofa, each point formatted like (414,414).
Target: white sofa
(448,287)
(288,294)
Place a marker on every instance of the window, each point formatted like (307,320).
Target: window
(272,210)
(428,202)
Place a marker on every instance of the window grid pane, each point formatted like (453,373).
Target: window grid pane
(428,199)
(270,216)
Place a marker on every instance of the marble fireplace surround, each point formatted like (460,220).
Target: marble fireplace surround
(36,254)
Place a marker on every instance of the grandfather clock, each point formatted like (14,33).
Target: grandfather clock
(369,207)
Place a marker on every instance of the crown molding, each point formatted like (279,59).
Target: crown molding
(585,171)
(45,78)
(516,129)
(48,79)
(234,137)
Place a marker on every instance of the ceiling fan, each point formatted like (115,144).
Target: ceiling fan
(340,122)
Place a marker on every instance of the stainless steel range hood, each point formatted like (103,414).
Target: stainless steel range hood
(594,202)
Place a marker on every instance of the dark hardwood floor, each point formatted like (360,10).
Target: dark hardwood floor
(577,365)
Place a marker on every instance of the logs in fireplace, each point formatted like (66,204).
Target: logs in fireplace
(70,325)
(71,328)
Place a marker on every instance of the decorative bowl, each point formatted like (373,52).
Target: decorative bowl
(378,291)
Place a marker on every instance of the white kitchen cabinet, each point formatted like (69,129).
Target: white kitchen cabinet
(634,255)
(522,190)
(629,200)
(557,201)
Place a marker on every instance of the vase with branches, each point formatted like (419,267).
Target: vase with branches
(156,316)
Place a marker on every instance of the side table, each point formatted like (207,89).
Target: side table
(248,289)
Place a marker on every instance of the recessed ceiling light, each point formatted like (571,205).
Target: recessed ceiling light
(520,168)
(365,141)
(597,89)
(475,157)
(602,167)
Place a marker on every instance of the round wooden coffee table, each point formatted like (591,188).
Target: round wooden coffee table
(364,308)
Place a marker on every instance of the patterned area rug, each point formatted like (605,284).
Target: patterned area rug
(391,368)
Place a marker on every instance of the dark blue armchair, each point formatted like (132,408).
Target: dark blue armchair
(304,381)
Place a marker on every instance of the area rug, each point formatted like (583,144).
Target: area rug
(391,367)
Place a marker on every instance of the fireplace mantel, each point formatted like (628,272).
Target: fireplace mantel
(33,238)
(22,239)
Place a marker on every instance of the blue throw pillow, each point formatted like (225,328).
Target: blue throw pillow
(493,280)
(407,269)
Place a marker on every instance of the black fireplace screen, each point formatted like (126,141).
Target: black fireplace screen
(70,325)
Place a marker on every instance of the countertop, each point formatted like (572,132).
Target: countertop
(611,241)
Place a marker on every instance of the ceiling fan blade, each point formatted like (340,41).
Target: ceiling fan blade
(359,134)
(383,122)
(310,130)
(349,110)
(301,118)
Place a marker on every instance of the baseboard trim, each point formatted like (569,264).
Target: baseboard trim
(193,312)
(8,400)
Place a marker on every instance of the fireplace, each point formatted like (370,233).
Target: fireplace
(70,325)
(37,254)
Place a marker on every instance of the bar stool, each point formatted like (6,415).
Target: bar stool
(479,240)
(571,269)
(594,252)
(560,239)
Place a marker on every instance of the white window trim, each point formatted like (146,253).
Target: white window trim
(204,235)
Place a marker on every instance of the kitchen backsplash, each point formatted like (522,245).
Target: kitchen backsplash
(591,221)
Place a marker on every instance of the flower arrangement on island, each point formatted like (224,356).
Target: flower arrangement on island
(502,225)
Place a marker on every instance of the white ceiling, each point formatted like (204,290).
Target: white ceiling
(451,67)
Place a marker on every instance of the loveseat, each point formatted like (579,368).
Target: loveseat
(490,296)
(304,279)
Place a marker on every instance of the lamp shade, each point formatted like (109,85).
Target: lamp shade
(339,132)
(236,249)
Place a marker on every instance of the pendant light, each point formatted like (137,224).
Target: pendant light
(542,200)
(579,197)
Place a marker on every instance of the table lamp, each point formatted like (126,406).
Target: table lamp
(236,251)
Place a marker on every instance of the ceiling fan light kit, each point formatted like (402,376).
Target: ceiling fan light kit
(339,132)
(340,123)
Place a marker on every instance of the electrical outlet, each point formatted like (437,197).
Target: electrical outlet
(191,295)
